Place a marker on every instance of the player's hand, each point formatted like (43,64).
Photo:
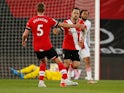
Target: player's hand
(78,25)
(55,31)
(24,44)
(81,44)
(83,26)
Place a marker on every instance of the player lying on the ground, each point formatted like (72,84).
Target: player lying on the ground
(32,71)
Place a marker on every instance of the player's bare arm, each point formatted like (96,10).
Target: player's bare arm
(81,43)
(70,25)
(24,37)
(60,24)
(84,32)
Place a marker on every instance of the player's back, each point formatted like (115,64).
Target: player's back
(41,26)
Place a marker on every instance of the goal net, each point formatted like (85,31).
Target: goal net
(14,15)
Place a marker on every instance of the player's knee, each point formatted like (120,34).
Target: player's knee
(75,67)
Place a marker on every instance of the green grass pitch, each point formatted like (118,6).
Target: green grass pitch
(30,86)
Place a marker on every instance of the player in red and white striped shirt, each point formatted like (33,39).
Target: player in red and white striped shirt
(72,37)
(40,27)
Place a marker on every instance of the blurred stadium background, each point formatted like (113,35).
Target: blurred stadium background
(14,15)
(112,39)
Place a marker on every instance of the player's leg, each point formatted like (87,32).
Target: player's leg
(51,54)
(70,71)
(21,73)
(67,61)
(14,71)
(77,72)
(76,64)
(17,73)
(64,81)
(27,69)
(85,55)
(54,56)
(88,67)
(88,70)
(32,74)
(67,64)
(43,61)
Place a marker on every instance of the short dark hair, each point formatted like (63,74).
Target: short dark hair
(83,11)
(40,7)
(76,8)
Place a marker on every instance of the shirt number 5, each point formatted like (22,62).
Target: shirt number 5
(40,30)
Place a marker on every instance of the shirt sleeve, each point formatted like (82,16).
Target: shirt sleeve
(53,22)
(28,25)
(89,26)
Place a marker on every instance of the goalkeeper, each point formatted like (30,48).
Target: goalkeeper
(32,71)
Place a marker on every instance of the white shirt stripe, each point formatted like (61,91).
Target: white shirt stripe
(75,35)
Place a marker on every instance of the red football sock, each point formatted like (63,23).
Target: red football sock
(42,71)
(71,65)
(62,69)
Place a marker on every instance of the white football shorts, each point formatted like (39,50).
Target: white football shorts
(84,52)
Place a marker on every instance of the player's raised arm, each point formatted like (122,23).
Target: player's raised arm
(69,25)
(66,25)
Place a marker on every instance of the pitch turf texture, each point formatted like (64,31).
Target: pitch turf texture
(30,86)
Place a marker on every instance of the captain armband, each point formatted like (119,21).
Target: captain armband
(28,28)
(56,26)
